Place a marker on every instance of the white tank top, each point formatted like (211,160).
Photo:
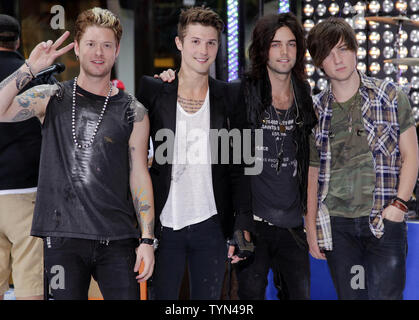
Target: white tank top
(191,197)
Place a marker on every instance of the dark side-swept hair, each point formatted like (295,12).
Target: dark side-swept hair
(323,37)
(262,36)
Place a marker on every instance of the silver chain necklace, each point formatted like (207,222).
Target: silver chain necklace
(73,117)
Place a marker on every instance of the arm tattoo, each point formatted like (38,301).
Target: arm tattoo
(24,114)
(22,79)
(141,210)
(130,151)
(9,79)
(137,111)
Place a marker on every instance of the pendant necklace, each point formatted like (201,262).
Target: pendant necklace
(282,130)
(73,118)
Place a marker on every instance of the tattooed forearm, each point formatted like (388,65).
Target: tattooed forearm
(9,79)
(24,115)
(22,79)
(142,208)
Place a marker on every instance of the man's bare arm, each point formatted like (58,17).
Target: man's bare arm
(31,103)
(25,106)
(141,187)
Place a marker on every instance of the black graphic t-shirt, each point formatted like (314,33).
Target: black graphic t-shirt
(275,195)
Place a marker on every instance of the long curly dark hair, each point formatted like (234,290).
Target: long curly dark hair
(262,36)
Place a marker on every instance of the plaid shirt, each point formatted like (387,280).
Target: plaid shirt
(379,113)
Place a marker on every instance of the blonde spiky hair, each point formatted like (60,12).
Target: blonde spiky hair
(97,17)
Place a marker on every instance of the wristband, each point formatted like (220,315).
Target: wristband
(152,242)
(401,200)
(399,205)
(29,67)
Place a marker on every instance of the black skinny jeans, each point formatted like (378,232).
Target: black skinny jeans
(286,253)
(204,248)
(70,263)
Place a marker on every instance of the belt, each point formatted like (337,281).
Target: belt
(256,218)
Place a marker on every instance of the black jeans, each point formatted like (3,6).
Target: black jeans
(283,250)
(204,248)
(364,267)
(69,264)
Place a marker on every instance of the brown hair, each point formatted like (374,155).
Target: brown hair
(200,15)
(262,36)
(97,17)
(326,35)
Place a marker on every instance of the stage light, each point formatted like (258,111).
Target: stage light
(321,10)
(403,81)
(322,83)
(402,68)
(374,37)
(350,22)
(414,5)
(388,6)
(402,36)
(373,25)
(374,7)
(388,52)
(388,36)
(414,36)
(415,82)
(403,52)
(333,8)
(233,39)
(347,8)
(361,66)
(360,22)
(415,98)
(308,25)
(415,69)
(374,52)
(414,51)
(308,10)
(362,53)
(310,70)
(360,7)
(388,68)
(375,68)
(361,37)
(401,5)
(311,83)
(283,6)
(308,56)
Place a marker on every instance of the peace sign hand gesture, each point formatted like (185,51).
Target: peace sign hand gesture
(44,54)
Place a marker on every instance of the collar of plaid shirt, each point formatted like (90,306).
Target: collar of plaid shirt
(379,112)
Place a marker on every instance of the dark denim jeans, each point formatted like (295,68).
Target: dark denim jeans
(111,265)
(286,253)
(364,267)
(204,248)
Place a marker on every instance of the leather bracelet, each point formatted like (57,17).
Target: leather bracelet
(399,205)
(402,201)
(29,67)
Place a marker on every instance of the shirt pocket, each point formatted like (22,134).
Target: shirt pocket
(387,139)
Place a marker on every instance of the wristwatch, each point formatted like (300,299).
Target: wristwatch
(152,242)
